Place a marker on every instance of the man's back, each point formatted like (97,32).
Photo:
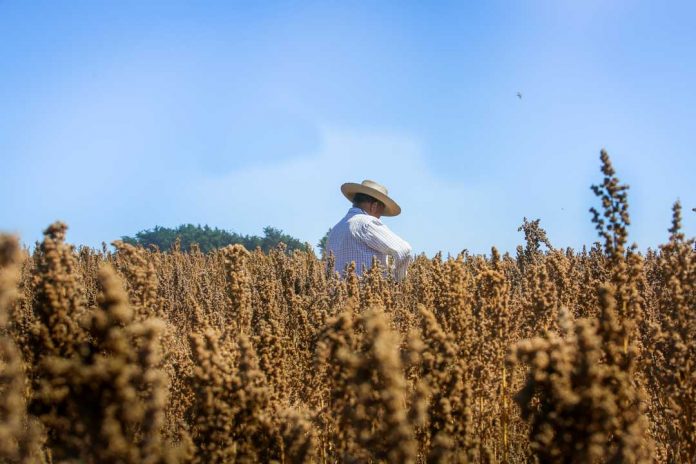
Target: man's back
(359,237)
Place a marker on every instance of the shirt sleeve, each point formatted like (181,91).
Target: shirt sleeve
(379,237)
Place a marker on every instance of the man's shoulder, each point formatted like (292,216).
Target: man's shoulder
(362,220)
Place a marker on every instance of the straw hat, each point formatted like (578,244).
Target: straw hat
(375,190)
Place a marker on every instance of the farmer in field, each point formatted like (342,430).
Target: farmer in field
(360,235)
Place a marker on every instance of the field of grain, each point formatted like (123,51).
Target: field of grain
(550,355)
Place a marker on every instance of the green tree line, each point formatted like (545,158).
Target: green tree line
(209,238)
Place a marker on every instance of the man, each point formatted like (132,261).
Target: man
(360,235)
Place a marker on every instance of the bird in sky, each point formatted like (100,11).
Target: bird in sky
(519,95)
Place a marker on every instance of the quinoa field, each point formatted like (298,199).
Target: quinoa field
(238,356)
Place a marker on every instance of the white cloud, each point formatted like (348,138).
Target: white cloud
(302,195)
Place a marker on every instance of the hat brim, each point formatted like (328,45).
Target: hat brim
(349,190)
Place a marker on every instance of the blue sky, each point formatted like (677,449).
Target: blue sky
(119,116)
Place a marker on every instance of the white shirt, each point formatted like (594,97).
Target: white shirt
(358,237)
